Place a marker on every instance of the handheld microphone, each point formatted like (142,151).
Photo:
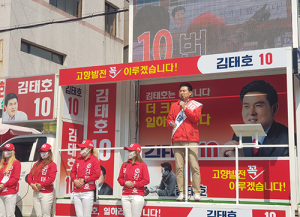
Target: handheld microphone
(181,98)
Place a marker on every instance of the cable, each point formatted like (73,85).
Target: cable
(62,21)
(25,194)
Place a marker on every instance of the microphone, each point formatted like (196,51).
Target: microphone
(181,98)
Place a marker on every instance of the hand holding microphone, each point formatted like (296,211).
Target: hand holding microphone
(182,103)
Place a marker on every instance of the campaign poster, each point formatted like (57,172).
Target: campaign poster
(73,107)
(166,211)
(221,108)
(2,88)
(72,134)
(173,29)
(257,179)
(29,99)
(101,127)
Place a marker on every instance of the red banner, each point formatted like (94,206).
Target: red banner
(129,71)
(101,124)
(29,98)
(257,179)
(72,134)
(166,211)
(228,62)
(221,108)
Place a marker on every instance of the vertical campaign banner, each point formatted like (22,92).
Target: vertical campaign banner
(29,99)
(101,124)
(2,88)
(72,134)
(73,102)
(173,29)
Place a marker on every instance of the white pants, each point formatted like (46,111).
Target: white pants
(83,202)
(42,204)
(8,205)
(132,205)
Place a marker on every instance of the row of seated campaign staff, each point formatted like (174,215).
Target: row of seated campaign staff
(134,176)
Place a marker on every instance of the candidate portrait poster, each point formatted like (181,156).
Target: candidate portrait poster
(29,99)
(173,29)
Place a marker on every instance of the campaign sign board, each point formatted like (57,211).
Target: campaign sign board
(101,124)
(218,63)
(29,99)
(72,134)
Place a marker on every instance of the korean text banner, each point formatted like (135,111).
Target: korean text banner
(173,29)
(221,108)
(72,134)
(29,98)
(167,211)
(258,179)
(220,63)
(101,125)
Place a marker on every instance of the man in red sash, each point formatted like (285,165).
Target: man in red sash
(183,118)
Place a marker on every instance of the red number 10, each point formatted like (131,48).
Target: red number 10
(145,38)
(268,58)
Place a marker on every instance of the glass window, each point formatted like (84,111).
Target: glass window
(70,6)
(23,148)
(39,144)
(41,52)
(110,19)
(24,47)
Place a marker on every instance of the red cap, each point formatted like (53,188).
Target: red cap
(9,146)
(45,147)
(133,147)
(86,143)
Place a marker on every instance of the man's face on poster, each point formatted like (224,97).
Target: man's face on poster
(257,110)
(12,107)
(101,179)
(179,17)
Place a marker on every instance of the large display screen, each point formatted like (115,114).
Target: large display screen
(165,29)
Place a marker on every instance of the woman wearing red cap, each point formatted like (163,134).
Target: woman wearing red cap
(41,178)
(10,170)
(85,171)
(134,176)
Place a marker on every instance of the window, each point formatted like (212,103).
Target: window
(23,148)
(41,141)
(110,19)
(43,53)
(70,6)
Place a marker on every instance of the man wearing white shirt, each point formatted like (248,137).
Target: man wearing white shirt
(11,107)
(259,106)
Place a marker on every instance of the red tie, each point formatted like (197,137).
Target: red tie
(255,150)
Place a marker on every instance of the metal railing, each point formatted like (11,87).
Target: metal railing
(186,158)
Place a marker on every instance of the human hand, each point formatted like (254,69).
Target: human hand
(77,183)
(81,180)
(1,187)
(182,104)
(172,124)
(129,184)
(39,186)
(34,188)
(228,152)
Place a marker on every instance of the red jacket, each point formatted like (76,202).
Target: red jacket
(45,177)
(188,130)
(12,185)
(138,174)
(89,170)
